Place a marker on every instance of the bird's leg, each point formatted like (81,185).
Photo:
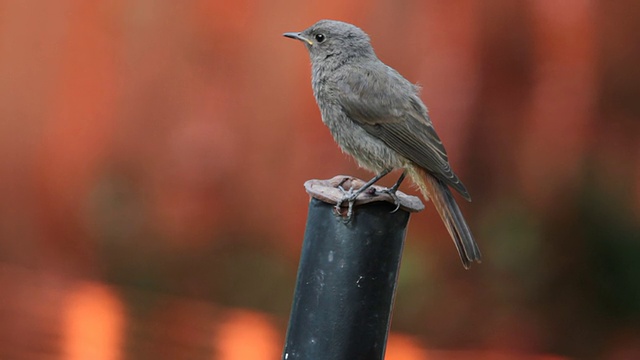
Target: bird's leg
(350,195)
(392,191)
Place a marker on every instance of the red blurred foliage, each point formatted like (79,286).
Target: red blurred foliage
(161,148)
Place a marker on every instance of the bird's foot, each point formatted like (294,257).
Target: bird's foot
(348,196)
(392,192)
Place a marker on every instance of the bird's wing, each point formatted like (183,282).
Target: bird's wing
(381,106)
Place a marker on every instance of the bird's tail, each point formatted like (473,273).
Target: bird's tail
(442,198)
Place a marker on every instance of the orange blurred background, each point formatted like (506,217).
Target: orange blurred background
(152,156)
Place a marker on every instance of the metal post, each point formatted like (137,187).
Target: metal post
(347,274)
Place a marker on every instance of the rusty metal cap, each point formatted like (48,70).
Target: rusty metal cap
(328,191)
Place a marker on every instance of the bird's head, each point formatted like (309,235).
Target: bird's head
(329,38)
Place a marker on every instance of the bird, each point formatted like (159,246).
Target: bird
(376,115)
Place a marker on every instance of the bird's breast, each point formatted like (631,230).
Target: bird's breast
(370,152)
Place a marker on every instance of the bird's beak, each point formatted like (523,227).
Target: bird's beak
(297,36)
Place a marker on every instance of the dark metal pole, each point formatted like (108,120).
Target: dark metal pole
(347,275)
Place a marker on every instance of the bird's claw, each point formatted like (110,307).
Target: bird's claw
(394,196)
(349,196)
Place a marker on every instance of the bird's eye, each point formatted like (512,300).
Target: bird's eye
(319,38)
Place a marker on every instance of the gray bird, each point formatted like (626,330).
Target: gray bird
(376,116)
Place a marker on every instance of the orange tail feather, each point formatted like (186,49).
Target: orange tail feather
(442,198)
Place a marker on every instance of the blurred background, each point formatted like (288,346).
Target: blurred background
(152,157)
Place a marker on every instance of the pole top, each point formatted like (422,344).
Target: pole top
(328,191)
